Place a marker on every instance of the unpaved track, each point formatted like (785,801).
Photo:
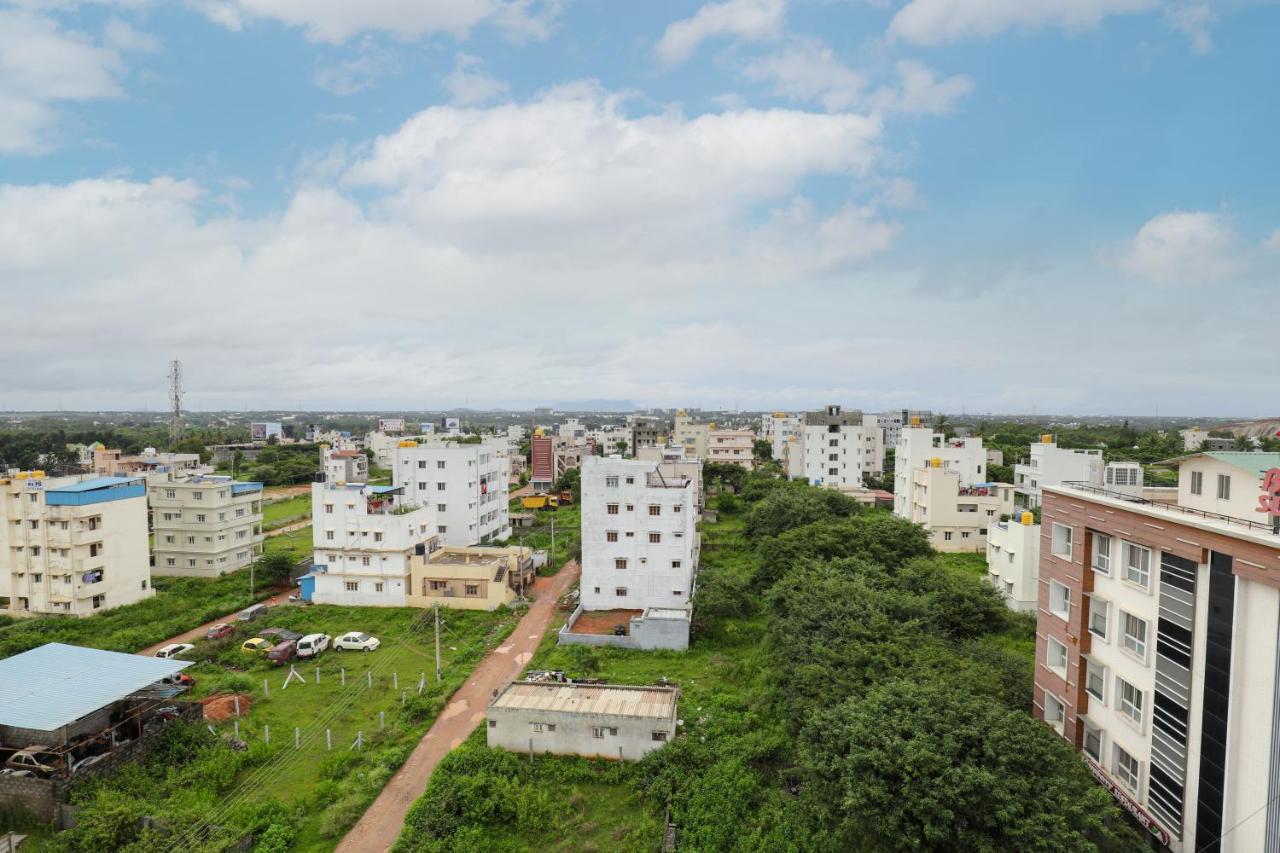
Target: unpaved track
(380,826)
(198,633)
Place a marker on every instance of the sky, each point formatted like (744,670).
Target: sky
(988,205)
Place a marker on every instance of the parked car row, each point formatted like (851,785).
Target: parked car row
(306,647)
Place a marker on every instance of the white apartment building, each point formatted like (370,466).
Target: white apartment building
(572,432)
(891,423)
(779,428)
(792,457)
(955,514)
(731,447)
(918,446)
(1193,437)
(463,486)
(1051,465)
(364,538)
(204,526)
(608,439)
(639,536)
(1157,653)
(344,466)
(383,447)
(691,437)
(1013,561)
(840,447)
(70,546)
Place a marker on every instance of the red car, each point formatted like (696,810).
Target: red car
(217,632)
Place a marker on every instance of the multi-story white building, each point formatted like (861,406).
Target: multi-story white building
(1051,465)
(891,423)
(572,432)
(462,485)
(639,536)
(1157,653)
(383,447)
(918,446)
(955,514)
(840,447)
(1013,560)
(70,546)
(344,466)
(205,525)
(364,538)
(691,436)
(731,447)
(778,429)
(610,440)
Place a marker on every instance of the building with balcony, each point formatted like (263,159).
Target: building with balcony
(114,463)
(205,525)
(463,486)
(731,447)
(840,447)
(478,577)
(954,513)
(646,431)
(1051,465)
(1013,560)
(365,538)
(1157,652)
(918,446)
(72,546)
(778,428)
(344,466)
(892,423)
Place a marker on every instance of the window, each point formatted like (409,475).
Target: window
(200,518)
(422,463)
(678,508)
(97,601)
(1055,712)
(597,731)
(1101,554)
(1129,700)
(654,509)
(1137,564)
(328,534)
(1059,600)
(1224,487)
(442,528)
(631,507)
(170,493)
(946,536)
(1197,482)
(168,540)
(1061,541)
(655,537)
(472,589)
(833,471)
(440,487)
(377,587)
(377,536)
(352,586)
(364,561)
(96,548)
(631,481)
(611,536)
(1056,656)
(1092,741)
(1133,634)
(493,724)
(1098,612)
(36,577)
(621,592)
(544,727)
(328,509)
(675,564)
(660,736)
(1095,681)
(612,509)
(169,561)
(441,507)
(620,563)
(611,482)
(1128,770)
(439,464)
(198,495)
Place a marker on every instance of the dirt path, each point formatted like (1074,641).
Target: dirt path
(288,528)
(275,493)
(380,826)
(198,633)
(521,492)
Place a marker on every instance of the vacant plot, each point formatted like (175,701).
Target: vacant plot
(280,513)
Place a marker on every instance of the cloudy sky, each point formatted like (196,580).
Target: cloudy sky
(1001,205)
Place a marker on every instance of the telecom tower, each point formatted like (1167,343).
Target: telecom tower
(175,402)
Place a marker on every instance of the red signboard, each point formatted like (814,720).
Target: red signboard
(1147,821)
(1269,500)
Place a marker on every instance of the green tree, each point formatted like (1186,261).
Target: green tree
(762,449)
(274,568)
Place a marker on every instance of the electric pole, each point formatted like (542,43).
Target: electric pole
(552,556)
(438,678)
(175,403)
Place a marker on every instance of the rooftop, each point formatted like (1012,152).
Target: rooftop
(94,491)
(614,700)
(1253,529)
(1255,462)
(57,684)
(96,483)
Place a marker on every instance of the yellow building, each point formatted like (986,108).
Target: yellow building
(470,578)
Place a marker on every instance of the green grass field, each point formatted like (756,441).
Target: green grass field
(568,524)
(279,513)
(296,543)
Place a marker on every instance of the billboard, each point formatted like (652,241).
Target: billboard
(264,431)
(452,426)
(426,428)
(391,425)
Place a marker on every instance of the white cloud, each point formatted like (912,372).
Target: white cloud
(931,22)
(1193,19)
(335,21)
(468,85)
(1183,246)
(807,70)
(1272,243)
(43,65)
(751,20)
(349,76)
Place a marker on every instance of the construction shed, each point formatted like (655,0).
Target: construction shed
(592,720)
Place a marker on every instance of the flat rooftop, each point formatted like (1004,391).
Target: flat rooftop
(614,700)
(602,621)
(56,684)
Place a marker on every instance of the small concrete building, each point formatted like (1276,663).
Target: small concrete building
(344,466)
(1013,561)
(470,578)
(590,720)
(955,515)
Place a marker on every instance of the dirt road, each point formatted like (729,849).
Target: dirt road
(288,528)
(196,633)
(380,826)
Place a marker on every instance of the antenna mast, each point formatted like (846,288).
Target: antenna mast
(175,402)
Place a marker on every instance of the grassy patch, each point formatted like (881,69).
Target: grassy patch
(568,527)
(281,513)
(296,543)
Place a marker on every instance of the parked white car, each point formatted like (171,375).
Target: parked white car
(174,649)
(87,761)
(357,641)
(312,645)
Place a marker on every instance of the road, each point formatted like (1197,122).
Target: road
(198,633)
(380,826)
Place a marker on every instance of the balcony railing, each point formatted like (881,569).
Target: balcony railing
(1256,526)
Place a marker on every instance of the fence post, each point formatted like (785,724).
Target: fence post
(266,691)
(343,673)
(266,734)
(395,680)
(382,720)
(328,739)
(237,700)
(403,693)
(235,727)
(368,677)
(317,675)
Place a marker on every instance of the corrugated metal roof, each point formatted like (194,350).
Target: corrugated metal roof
(615,700)
(96,483)
(57,684)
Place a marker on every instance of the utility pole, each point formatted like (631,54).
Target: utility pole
(552,556)
(175,403)
(252,565)
(438,679)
